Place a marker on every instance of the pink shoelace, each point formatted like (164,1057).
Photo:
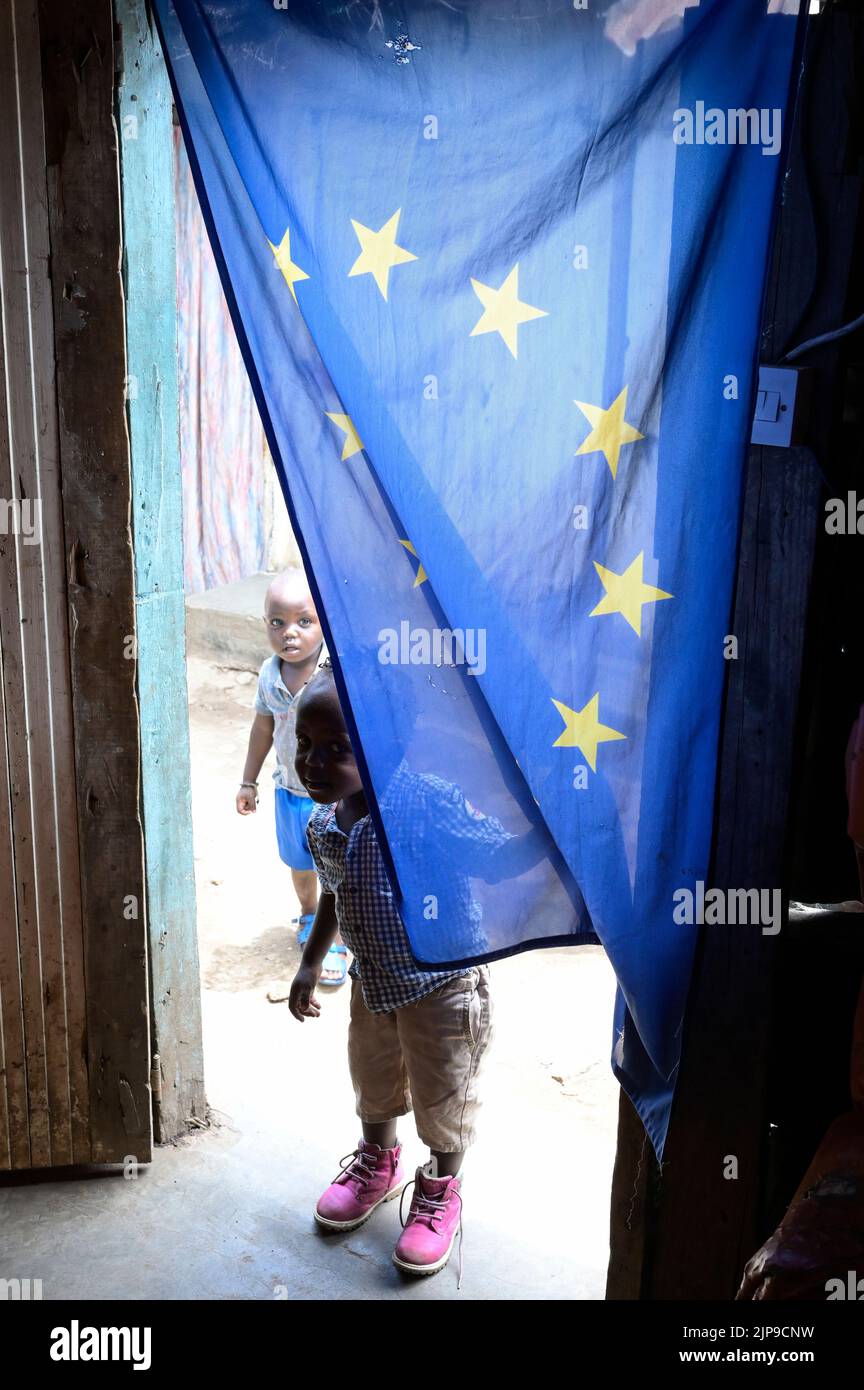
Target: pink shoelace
(427,1210)
(358,1167)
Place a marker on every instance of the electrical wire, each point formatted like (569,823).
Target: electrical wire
(824,338)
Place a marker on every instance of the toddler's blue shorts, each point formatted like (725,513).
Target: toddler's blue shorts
(292,817)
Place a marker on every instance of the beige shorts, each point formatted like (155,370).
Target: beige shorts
(426,1057)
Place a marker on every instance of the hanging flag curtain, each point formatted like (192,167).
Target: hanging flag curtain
(496,270)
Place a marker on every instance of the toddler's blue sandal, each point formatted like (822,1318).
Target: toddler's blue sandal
(305,929)
(335,959)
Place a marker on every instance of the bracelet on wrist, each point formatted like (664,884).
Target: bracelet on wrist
(250,784)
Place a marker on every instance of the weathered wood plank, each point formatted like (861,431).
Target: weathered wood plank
(14,1117)
(19,597)
(634,1164)
(84,220)
(14,1122)
(36,674)
(147,177)
(63,942)
(720,1108)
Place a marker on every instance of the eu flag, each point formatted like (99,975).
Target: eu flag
(496,269)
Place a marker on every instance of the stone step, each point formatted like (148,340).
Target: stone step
(226,625)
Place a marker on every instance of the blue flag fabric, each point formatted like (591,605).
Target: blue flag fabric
(496,269)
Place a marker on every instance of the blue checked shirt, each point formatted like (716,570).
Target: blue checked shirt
(352,868)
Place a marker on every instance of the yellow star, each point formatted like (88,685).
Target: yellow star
(610,430)
(421,573)
(583,730)
(379,252)
(503,310)
(292,272)
(353,442)
(626,593)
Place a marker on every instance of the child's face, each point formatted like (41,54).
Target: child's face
(293,629)
(324,762)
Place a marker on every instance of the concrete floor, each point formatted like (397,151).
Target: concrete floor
(226,1213)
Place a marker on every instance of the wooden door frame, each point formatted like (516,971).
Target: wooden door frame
(146,136)
(90,362)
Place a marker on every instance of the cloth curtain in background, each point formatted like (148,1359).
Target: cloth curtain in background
(222,445)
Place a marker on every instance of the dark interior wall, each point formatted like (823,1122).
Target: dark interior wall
(821,963)
(764,1013)
(820,863)
(819,979)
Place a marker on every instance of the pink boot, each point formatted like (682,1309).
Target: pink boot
(374,1175)
(434,1221)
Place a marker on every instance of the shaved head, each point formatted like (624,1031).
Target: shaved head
(287,589)
(292,624)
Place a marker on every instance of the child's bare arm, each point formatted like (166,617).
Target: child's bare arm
(260,743)
(303,1002)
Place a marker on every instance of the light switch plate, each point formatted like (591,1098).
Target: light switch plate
(781,401)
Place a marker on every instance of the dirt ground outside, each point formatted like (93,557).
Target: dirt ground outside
(536,1194)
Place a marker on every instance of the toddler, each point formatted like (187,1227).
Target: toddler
(416,1037)
(294,633)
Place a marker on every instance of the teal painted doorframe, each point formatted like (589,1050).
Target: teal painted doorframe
(144,113)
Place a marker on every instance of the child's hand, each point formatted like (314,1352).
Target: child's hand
(246,800)
(302,1000)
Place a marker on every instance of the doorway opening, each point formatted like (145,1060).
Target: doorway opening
(283,1090)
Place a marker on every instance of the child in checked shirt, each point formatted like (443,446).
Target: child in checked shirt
(416,1037)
